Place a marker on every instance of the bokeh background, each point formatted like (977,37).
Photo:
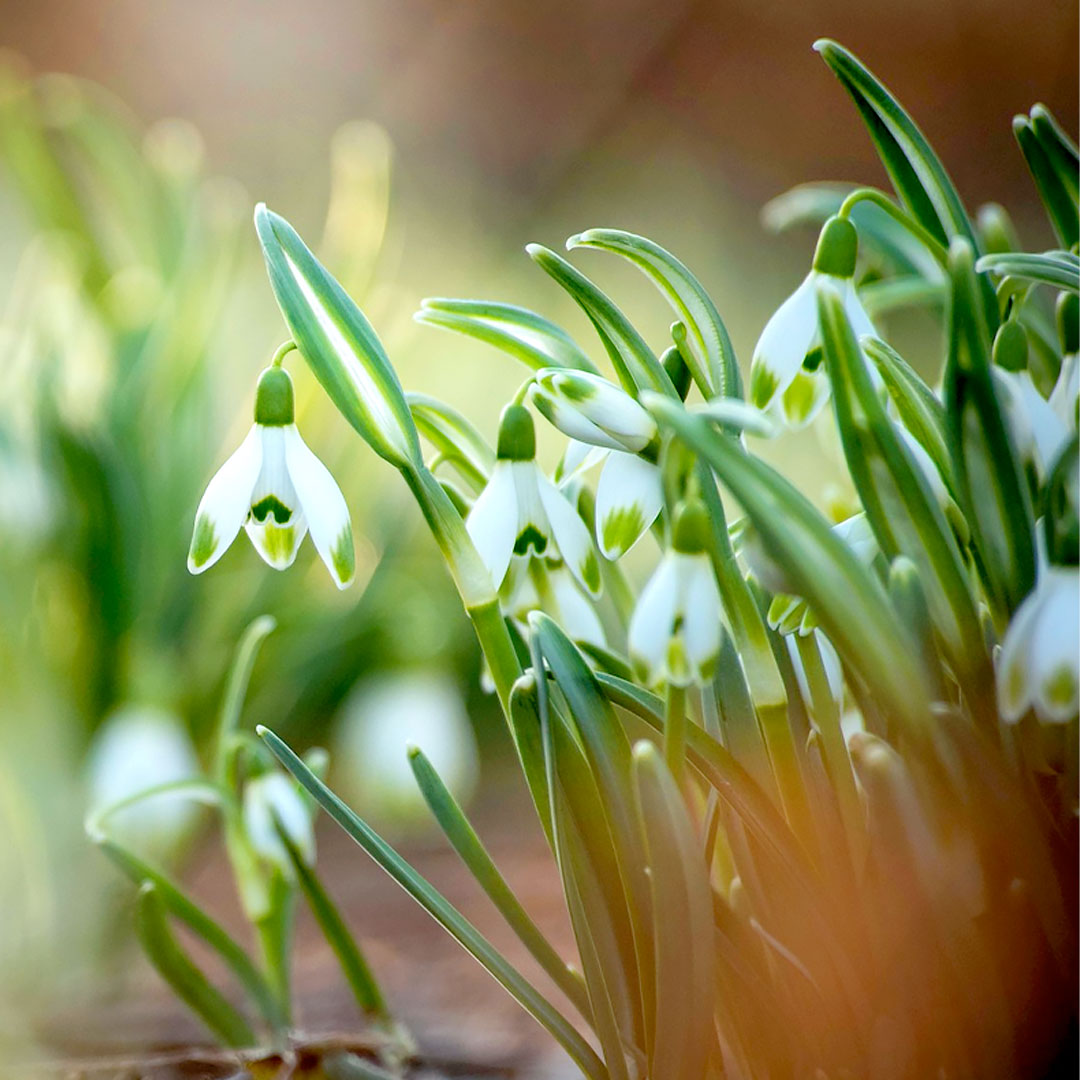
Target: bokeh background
(420,144)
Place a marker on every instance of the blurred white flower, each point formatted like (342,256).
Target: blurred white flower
(1039,663)
(1038,431)
(139,747)
(277,489)
(537,584)
(382,716)
(275,795)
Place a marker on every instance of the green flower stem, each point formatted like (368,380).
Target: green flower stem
(784,755)
(281,352)
(675,732)
(826,712)
(274,931)
(881,200)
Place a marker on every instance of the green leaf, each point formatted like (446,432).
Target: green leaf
(454,437)
(186,980)
(682,923)
(919,408)
(916,173)
(711,355)
(180,905)
(350,957)
(1059,148)
(442,911)
(474,855)
(1058,269)
(897,497)
(338,343)
(236,685)
(634,362)
(1054,179)
(535,341)
(993,492)
(847,599)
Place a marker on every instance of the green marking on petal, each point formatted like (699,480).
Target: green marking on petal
(621,528)
(763,384)
(1059,687)
(278,542)
(271,504)
(1015,683)
(576,390)
(204,542)
(590,571)
(530,537)
(343,555)
(677,664)
(799,398)
(813,359)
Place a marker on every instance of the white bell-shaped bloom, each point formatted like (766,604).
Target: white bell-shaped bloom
(1038,431)
(545,585)
(1039,663)
(278,490)
(273,795)
(137,748)
(786,375)
(592,409)
(629,496)
(1065,397)
(674,634)
(521,512)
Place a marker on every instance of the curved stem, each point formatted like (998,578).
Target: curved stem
(883,202)
(282,351)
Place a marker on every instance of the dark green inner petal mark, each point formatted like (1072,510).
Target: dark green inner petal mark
(530,537)
(812,360)
(271,504)
(204,541)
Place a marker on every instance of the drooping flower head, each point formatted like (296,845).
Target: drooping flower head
(674,634)
(272,800)
(785,372)
(521,512)
(597,413)
(276,488)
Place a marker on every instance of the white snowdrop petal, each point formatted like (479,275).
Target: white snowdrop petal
(856,315)
(323,507)
(225,504)
(653,620)
(628,498)
(576,615)
(571,422)
(570,533)
(1014,682)
(274,795)
(276,524)
(787,338)
(1063,398)
(1054,653)
(700,603)
(492,522)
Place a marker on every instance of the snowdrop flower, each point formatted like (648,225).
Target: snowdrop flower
(674,634)
(1037,667)
(137,748)
(1037,429)
(277,489)
(1065,397)
(547,585)
(521,512)
(830,661)
(274,795)
(785,373)
(605,421)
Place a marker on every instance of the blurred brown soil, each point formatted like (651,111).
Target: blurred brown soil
(459,1016)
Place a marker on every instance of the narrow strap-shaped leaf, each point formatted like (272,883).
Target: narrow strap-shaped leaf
(916,172)
(712,356)
(463,838)
(990,481)
(1059,147)
(236,685)
(442,911)
(634,362)
(1057,193)
(350,957)
(186,980)
(899,503)
(848,601)
(535,341)
(338,343)
(920,410)
(454,436)
(901,293)
(184,908)
(1058,269)
(682,923)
